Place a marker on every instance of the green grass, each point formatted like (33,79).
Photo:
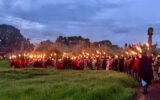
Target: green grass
(4,64)
(52,84)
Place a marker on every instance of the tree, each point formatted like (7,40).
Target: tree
(45,46)
(11,37)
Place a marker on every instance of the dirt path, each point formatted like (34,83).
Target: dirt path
(153,92)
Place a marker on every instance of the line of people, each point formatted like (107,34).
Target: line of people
(143,68)
(130,65)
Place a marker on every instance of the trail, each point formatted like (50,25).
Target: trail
(153,92)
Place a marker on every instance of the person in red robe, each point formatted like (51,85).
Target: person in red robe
(78,64)
(109,64)
(136,65)
(58,64)
(17,63)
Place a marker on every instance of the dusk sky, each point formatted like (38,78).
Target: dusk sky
(120,21)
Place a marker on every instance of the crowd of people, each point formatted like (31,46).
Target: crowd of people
(143,68)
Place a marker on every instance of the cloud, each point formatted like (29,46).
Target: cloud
(22,23)
(117,20)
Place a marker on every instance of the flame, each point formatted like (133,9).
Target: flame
(139,49)
(147,44)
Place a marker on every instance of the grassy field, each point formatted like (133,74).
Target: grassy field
(51,84)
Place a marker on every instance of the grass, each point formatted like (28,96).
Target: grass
(52,84)
(4,64)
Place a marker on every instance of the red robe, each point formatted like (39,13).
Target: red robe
(136,65)
(17,63)
(58,64)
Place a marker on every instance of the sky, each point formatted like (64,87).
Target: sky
(121,21)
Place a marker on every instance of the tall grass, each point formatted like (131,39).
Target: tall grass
(51,84)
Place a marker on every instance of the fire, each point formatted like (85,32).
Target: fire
(139,49)
(127,53)
(147,44)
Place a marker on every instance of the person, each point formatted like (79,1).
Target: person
(126,65)
(158,67)
(155,68)
(115,64)
(109,63)
(130,67)
(121,64)
(59,64)
(94,63)
(98,63)
(48,63)
(85,63)
(90,63)
(145,72)
(82,64)
(136,67)
(104,64)
(18,63)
